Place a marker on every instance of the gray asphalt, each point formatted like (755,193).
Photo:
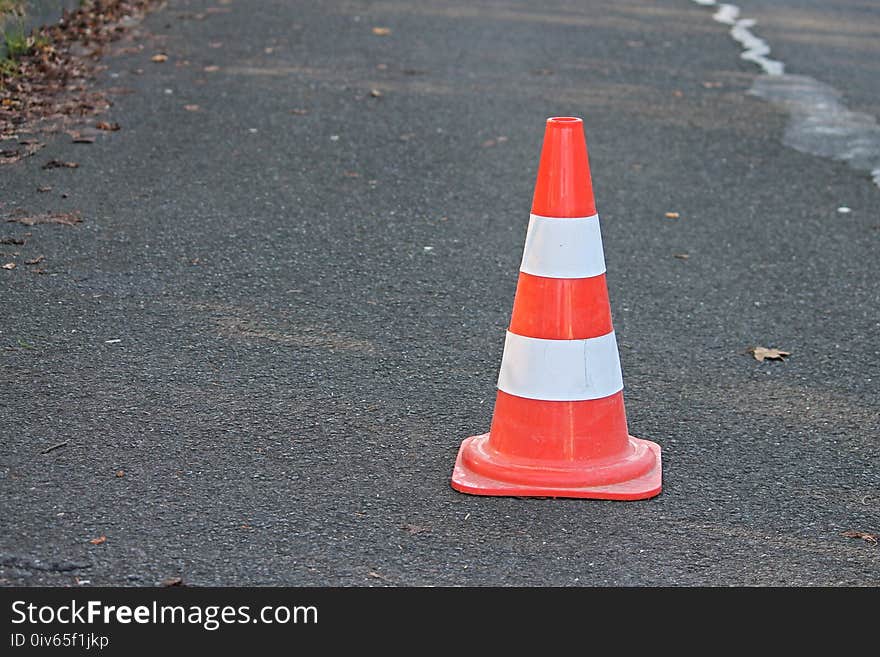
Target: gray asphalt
(248,322)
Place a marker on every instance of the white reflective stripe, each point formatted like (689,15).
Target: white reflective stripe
(563,248)
(560,370)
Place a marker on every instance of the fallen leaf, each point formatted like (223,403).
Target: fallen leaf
(381,31)
(109,127)
(414,529)
(120,473)
(38,270)
(99,540)
(681,256)
(159,58)
(299,111)
(191,108)
(63,218)
(44,189)
(10,156)
(83,139)
(672,215)
(172,581)
(865,536)
(763,353)
(60,164)
(375,93)
(11,240)
(9,265)
(35,261)
(211,69)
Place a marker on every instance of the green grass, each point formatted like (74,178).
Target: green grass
(17,42)
(8,68)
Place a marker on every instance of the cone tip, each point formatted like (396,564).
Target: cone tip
(564,121)
(563,187)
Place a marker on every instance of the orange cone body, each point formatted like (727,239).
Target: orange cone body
(559,425)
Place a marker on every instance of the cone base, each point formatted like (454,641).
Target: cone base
(647,485)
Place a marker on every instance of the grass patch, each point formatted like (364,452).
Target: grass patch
(17,42)
(8,69)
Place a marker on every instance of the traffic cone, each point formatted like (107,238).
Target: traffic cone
(559,426)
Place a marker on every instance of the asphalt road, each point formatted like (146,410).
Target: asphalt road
(280,325)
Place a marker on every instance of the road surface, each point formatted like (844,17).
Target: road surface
(257,356)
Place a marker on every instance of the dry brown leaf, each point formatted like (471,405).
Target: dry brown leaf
(109,127)
(681,256)
(191,108)
(12,240)
(764,353)
(865,536)
(211,69)
(60,164)
(672,215)
(381,31)
(9,265)
(63,218)
(120,473)
(376,93)
(10,156)
(172,581)
(43,189)
(83,139)
(99,540)
(35,261)
(159,58)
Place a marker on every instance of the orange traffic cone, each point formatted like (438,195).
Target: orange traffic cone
(559,427)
